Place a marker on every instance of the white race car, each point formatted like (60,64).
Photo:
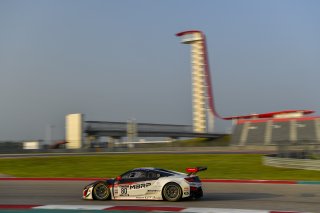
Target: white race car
(148,184)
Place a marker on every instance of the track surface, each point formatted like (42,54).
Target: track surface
(287,197)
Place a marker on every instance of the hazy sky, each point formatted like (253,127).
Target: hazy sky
(114,60)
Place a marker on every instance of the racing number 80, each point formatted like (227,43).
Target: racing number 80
(124,191)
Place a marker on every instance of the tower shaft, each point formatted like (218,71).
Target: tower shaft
(198,87)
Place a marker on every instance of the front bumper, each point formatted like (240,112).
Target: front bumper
(87,193)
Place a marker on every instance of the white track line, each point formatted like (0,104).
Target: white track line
(74,207)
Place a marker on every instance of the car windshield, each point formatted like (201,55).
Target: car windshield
(134,174)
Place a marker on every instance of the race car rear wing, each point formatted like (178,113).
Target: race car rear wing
(195,170)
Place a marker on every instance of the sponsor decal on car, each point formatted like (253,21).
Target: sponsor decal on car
(146,197)
(140,186)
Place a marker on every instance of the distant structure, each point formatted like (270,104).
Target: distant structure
(83,134)
(288,127)
(202,100)
(259,129)
(74,131)
(273,128)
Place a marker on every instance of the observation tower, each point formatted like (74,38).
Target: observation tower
(203,110)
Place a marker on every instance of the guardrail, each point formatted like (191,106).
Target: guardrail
(307,164)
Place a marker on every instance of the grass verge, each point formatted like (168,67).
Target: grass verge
(230,166)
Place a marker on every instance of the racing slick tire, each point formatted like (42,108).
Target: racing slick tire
(101,191)
(172,192)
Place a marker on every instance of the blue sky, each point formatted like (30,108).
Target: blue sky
(115,60)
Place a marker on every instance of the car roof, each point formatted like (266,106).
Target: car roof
(145,168)
(159,170)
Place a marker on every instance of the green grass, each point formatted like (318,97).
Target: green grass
(230,166)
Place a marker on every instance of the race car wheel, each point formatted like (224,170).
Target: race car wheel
(101,191)
(172,192)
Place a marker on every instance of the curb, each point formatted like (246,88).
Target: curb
(139,208)
(250,181)
(203,180)
(50,179)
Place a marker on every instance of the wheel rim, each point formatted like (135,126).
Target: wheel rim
(172,191)
(101,191)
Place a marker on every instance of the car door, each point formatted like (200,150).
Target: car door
(130,185)
(153,185)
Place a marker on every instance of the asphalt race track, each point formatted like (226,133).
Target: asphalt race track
(285,197)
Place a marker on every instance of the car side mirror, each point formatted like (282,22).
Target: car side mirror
(118,178)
